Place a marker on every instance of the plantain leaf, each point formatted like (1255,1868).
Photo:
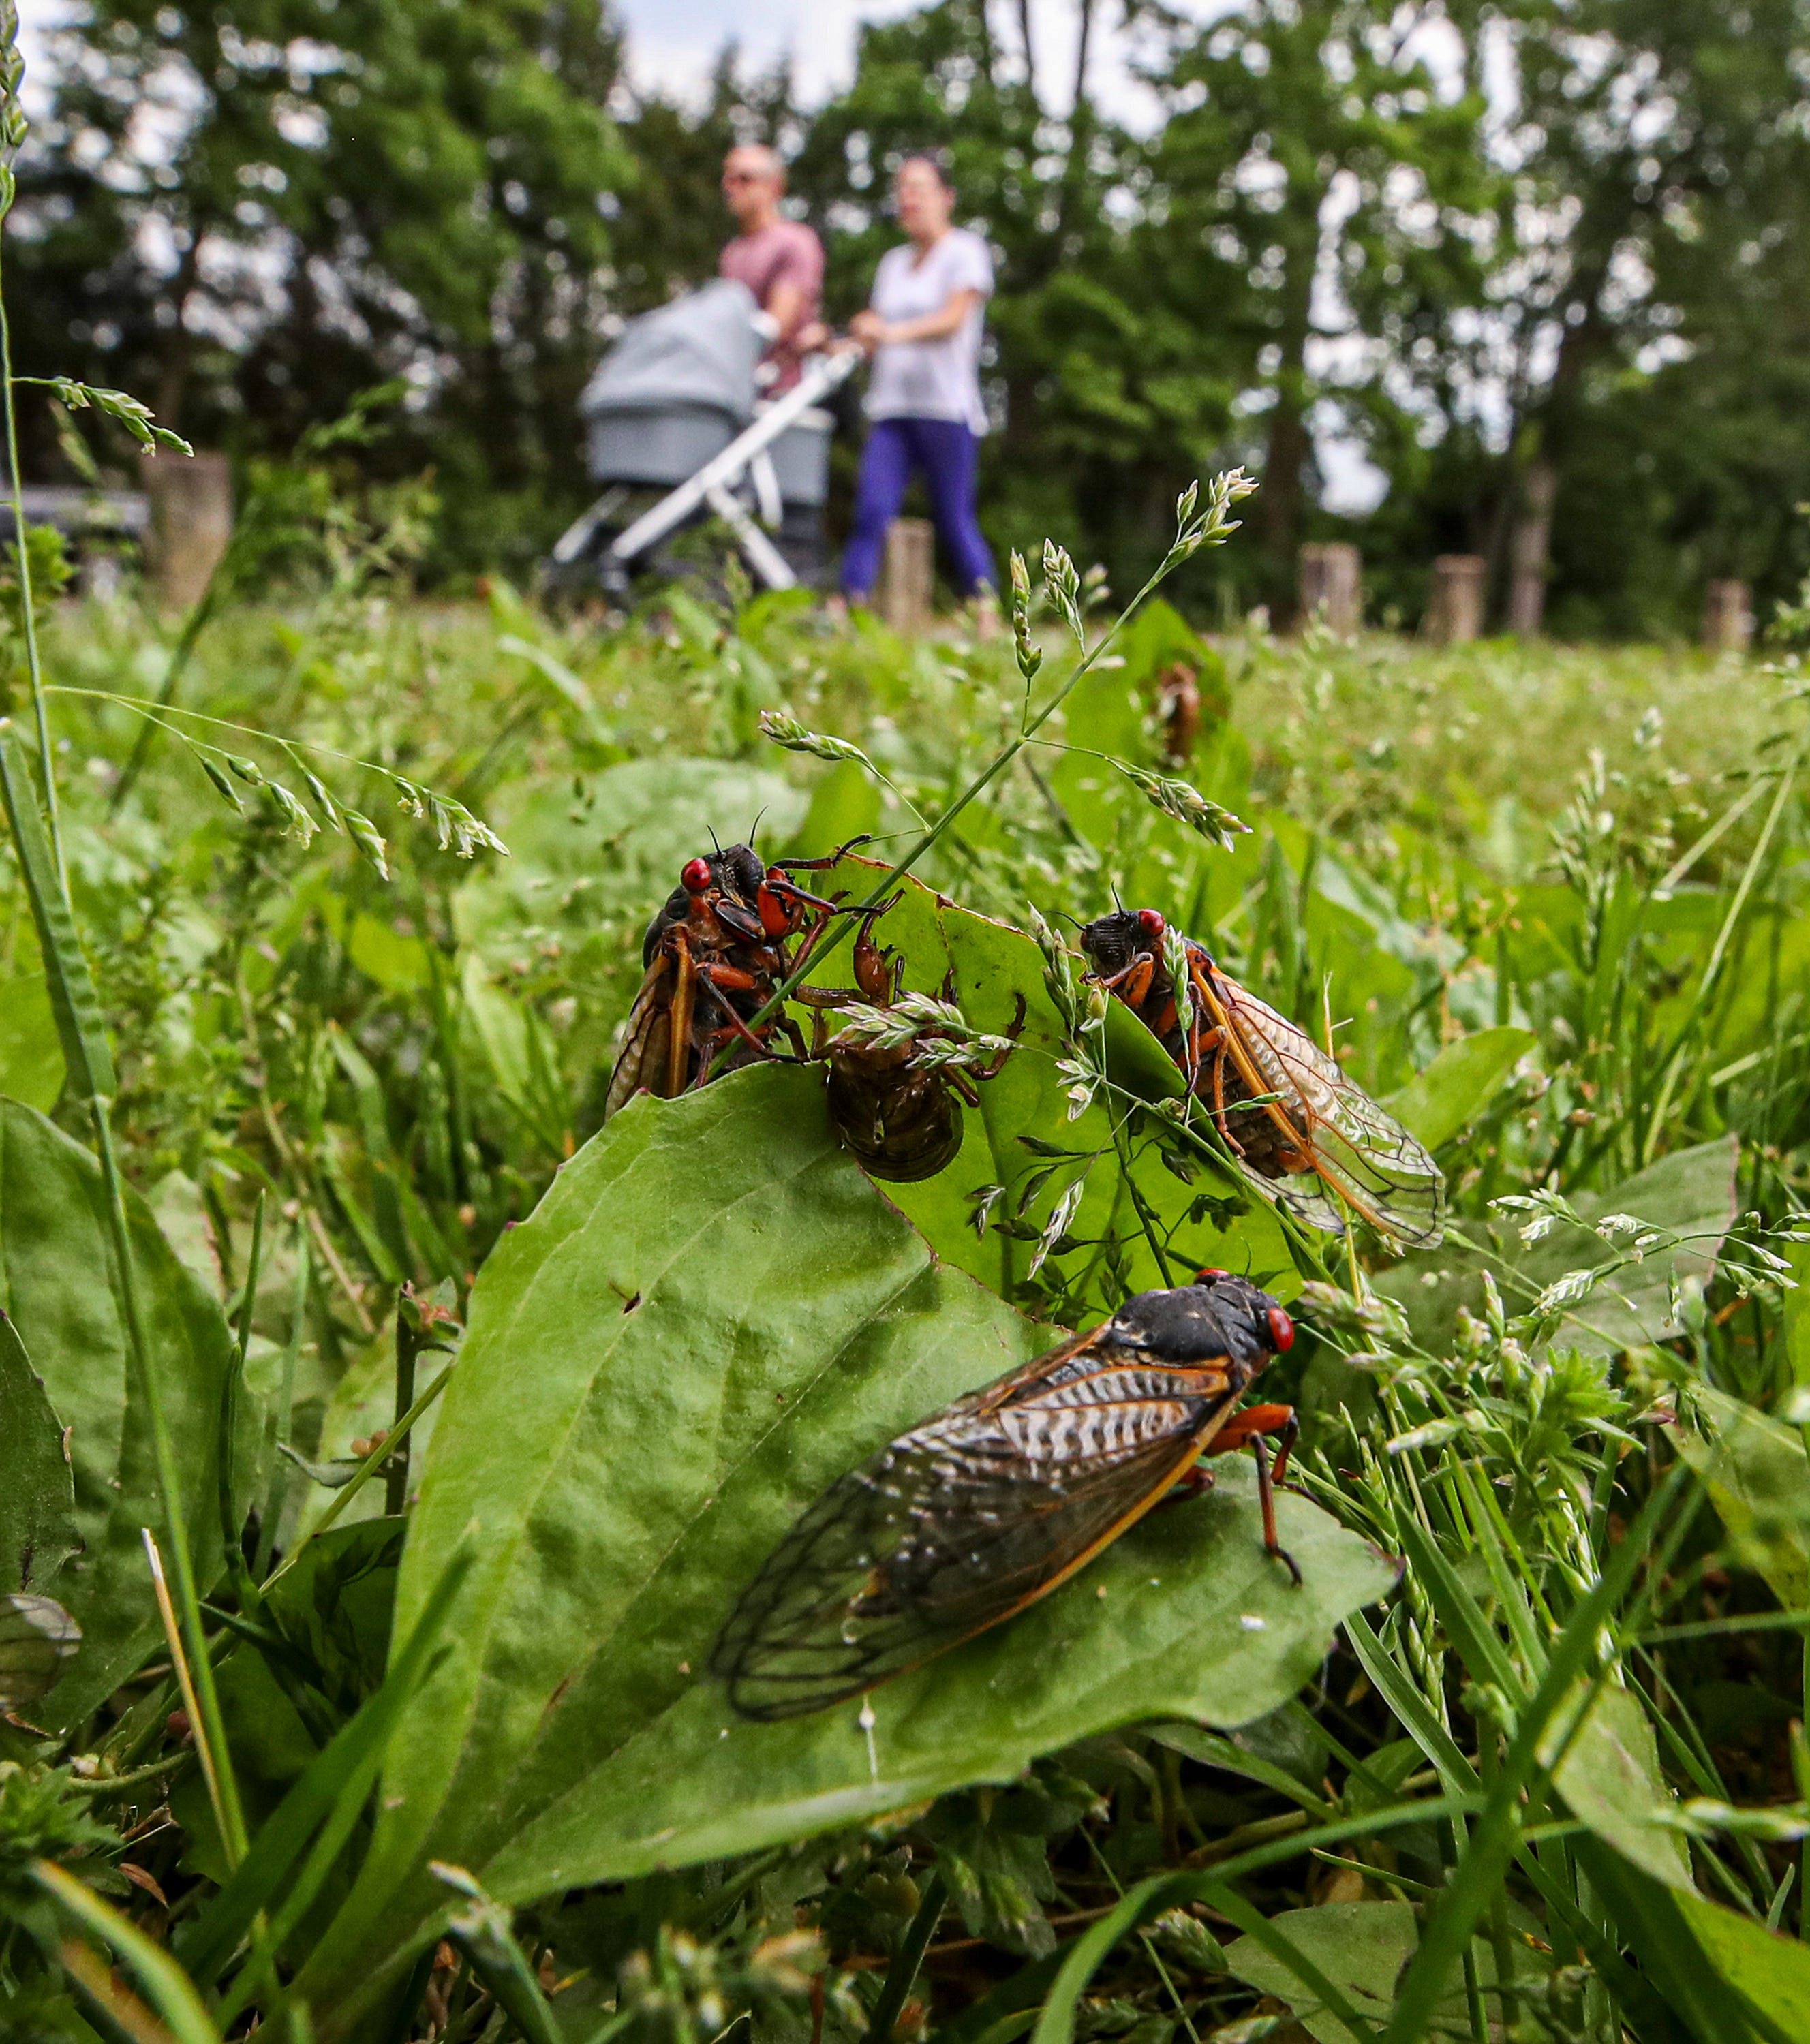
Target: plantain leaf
(1361,1947)
(37,1491)
(1754,1469)
(1444,1100)
(31,1050)
(56,1285)
(712,1315)
(1692,1192)
(1610,1776)
(87,1060)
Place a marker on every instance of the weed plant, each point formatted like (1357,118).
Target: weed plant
(395,1501)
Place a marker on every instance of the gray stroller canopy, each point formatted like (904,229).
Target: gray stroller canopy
(699,351)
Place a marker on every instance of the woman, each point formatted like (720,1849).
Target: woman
(922,328)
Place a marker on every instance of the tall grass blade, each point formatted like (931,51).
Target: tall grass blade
(341,1774)
(1492,1846)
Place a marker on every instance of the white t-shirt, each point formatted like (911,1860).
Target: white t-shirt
(931,379)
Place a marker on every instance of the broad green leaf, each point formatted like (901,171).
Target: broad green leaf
(37,1638)
(1769,1972)
(37,1490)
(31,1052)
(711,1315)
(183,1220)
(846,803)
(1611,1779)
(335,1604)
(1755,1472)
(55,1282)
(993,967)
(1361,1947)
(1692,1192)
(1725,1979)
(397,959)
(1461,1082)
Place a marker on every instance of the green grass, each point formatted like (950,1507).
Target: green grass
(1548,1786)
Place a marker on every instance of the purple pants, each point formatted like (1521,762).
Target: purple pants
(945,453)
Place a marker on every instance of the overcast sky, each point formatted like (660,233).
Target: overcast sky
(673,46)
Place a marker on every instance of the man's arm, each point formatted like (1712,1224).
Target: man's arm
(786,306)
(796,285)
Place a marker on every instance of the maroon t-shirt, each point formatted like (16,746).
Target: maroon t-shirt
(786,253)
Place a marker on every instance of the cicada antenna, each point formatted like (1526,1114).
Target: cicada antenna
(753,828)
(714,846)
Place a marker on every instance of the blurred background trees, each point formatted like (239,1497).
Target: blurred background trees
(1489,255)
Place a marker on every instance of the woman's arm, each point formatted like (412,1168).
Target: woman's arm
(873,332)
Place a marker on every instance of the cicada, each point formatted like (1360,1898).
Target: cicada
(1279,1101)
(715,954)
(989,1504)
(896,1088)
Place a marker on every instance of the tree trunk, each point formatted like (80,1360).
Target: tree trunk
(1529,549)
(1024,37)
(1079,133)
(1279,501)
(178,356)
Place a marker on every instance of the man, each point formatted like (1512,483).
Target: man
(780,260)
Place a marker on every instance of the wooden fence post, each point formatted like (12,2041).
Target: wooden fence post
(908,576)
(1332,582)
(191,521)
(1727,617)
(1454,609)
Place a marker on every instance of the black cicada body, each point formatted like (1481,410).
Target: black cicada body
(989,1504)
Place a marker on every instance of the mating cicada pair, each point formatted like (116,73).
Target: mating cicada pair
(718,954)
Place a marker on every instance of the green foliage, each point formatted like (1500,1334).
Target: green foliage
(1516,1760)
(37,1499)
(66,1304)
(603,1754)
(1597,290)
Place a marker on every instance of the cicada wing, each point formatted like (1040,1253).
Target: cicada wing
(1358,1147)
(958,1524)
(641,1063)
(36,1637)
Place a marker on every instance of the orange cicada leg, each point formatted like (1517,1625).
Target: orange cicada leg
(1133,985)
(1252,1424)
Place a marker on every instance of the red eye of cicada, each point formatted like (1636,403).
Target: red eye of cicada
(1150,923)
(694,875)
(1212,1271)
(1281,1330)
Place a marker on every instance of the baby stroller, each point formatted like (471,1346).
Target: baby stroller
(676,431)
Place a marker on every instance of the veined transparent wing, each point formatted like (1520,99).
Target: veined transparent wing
(641,1063)
(961,1522)
(1358,1147)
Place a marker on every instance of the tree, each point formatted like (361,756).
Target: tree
(1325,204)
(1654,317)
(277,202)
